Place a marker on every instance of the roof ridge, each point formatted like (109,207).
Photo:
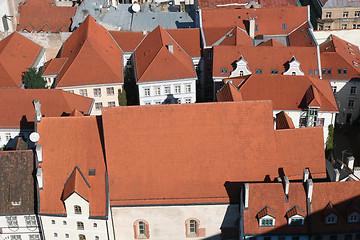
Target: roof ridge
(152,60)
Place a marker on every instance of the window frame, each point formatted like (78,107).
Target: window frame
(77,210)
(353,90)
(141,229)
(111,104)
(328,15)
(192,227)
(97,92)
(147,92)
(110,91)
(98,106)
(351,103)
(83,92)
(80,225)
(177,89)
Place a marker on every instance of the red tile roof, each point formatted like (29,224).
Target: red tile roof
(338,54)
(90,47)
(188,39)
(76,183)
(263,57)
(54,66)
(198,168)
(77,149)
(127,41)
(229,93)
(283,121)
(17,53)
(272,195)
(44,15)
(301,37)
(17,103)
(295,211)
(272,42)
(264,3)
(287,92)
(154,62)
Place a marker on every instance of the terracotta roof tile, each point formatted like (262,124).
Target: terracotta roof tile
(127,41)
(228,93)
(76,183)
(17,53)
(264,212)
(77,149)
(54,66)
(301,37)
(91,46)
(283,121)
(54,103)
(188,39)
(203,4)
(237,37)
(295,211)
(272,42)
(198,169)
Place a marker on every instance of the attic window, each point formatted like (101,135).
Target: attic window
(349,44)
(296,222)
(284,27)
(350,49)
(274,71)
(16,203)
(92,172)
(267,222)
(331,219)
(258,71)
(353,217)
(224,71)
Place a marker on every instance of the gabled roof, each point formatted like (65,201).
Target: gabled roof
(330,209)
(229,93)
(301,37)
(17,53)
(18,104)
(54,66)
(145,164)
(203,4)
(188,39)
(217,22)
(237,37)
(295,211)
(90,47)
(153,61)
(272,43)
(283,121)
(339,3)
(44,15)
(265,58)
(127,40)
(81,146)
(339,54)
(266,211)
(288,92)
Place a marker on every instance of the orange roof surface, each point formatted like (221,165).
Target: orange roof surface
(264,3)
(90,46)
(127,41)
(54,66)
(288,92)
(338,54)
(272,196)
(272,42)
(188,39)
(217,22)
(171,166)
(76,183)
(154,62)
(342,195)
(17,53)
(77,149)
(301,37)
(44,15)
(17,103)
(229,93)
(263,57)
(283,121)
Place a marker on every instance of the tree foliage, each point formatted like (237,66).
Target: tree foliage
(122,97)
(330,141)
(32,79)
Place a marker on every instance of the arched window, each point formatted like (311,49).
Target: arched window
(77,209)
(82,237)
(80,225)
(141,229)
(192,227)
(241,73)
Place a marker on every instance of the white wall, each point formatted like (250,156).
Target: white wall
(23,230)
(153,99)
(4,133)
(168,222)
(352,36)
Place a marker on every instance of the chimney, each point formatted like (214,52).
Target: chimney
(336,175)
(39,177)
(246,202)
(37,107)
(306,175)
(350,162)
(38,150)
(286,188)
(170,47)
(252,27)
(309,189)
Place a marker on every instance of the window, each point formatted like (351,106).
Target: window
(224,71)
(256,27)
(293,73)
(97,238)
(354,26)
(241,73)
(98,106)
(34,237)
(358,26)
(339,71)
(64,223)
(71,91)
(92,172)
(83,92)
(296,222)
(157,91)
(192,227)
(110,91)
(316,72)
(332,219)
(345,14)
(333,237)
(310,72)
(343,26)
(15,237)
(351,103)
(30,221)
(177,89)
(357,14)
(80,225)
(141,228)
(334,89)
(187,88)
(7,136)
(147,92)
(179,100)
(284,27)
(187,100)
(77,209)
(274,71)
(323,71)
(344,71)
(147,103)
(328,15)
(52,221)
(95,225)
(258,71)
(167,90)
(353,218)
(66,235)
(82,237)
(111,104)
(353,90)
(157,102)
(281,238)
(97,92)
(329,71)
(348,237)
(267,222)
(55,235)
(327,28)
(355,64)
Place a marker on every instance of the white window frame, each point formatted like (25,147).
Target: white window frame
(177,89)
(111,104)
(12,222)
(354,217)
(187,100)
(147,92)
(83,92)
(97,92)
(357,14)
(98,105)
(167,90)
(110,91)
(292,219)
(263,223)
(77,210)
(344,26)
(157,91)
(188,88)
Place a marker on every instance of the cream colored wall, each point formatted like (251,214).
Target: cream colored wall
(23,230)
(337,19)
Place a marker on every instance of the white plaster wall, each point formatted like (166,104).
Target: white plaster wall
(104,99)
(162,84)
(168,222)
(4,9)
(352,36)
(294,115)
(126,58)
(13,133)
(22,230)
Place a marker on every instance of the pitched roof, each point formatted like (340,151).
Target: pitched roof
(272,42)
(54,102)
(229,93)
(203,4)
(338,54)
(288,92)
(44,15)
(90,47)
(17,53)
(153,54)
(217,22)
(302,36)
(272,57)
(77,149)
(188,39)
(17,182)
(283,121)
(127,41)
(266,211)
(236,37)
(54,66)
(204,168)
(295,211)
(272,195)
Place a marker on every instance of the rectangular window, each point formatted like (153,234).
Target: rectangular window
(177,89)
(274,71)
(267,222)
(351,103)
(343,26)
(147,103)
(30,221)
(353,90)
(329,71)
(357,14)
(209,55)
(327,28)
(167,90)
(110,91)
(98,106)
(344,71)
(80,225)
(12,221)
(284,27)
(157,91)
(187,88)
(83,92)
(355,64)
(345,14)
(256,27)
(328,15)
(323,71)
(97,92)
(334,88)
(358,26)
(34,237)
(147,92)
(15,237)
(71,91)
(111,104)
(224,71)
(187,100)
(7,136)
(316,72)
(339,71)
(310,72)
(258,71)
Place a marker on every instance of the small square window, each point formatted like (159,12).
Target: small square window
(343,26)
(344,71)
(353,90)
(66,235)
(111,104)
(7,136)
(357,14)
(258,71)
(339,71)
(224,71)
(316,72)
(177,89)
(83,92)
(97,92)
(92,172)
(187,100)
(55,235)
(187,88)
(328,15)
(52,221)
(157,91)
(71,91)
(64,223)
(98,106)
(95,225)
(80,225)
(310,72)
(345,14)
(167,90)
(284,27)
(329,71)
(110,91)
(274,71)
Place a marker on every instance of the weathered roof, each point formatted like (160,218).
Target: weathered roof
(283,121)
(236,3)
(339,3)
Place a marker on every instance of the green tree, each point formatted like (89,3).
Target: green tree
(122,97)
(330,141)
(32,79)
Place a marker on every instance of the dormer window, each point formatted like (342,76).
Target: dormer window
(264,217)
(141,228)
(294,216)
(331,219)
(354,217)
(274,71)
(267,222)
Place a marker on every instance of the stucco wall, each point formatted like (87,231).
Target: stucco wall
(352,36)
(23,230)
